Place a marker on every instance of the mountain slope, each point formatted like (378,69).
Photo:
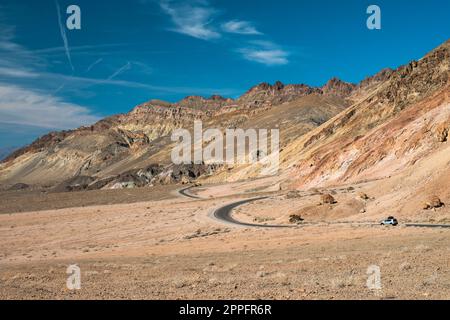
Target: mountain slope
(5,152)
(340,133)
(402,120)
(127,146)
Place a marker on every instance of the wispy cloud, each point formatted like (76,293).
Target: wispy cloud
(17,73)
(143,67)
(23,105)
(15,60)
(76,82)
(122,69)
(265,52)
(63,35)
(240,27)
(20,106)
(195,19)
(74,49)
(192,19)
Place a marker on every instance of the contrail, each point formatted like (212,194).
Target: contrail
(59,88)
(127,66)
(63,35)
(93,65)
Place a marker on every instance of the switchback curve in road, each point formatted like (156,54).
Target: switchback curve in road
(223,214)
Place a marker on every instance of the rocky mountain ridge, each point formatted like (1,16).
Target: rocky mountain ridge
(331,134)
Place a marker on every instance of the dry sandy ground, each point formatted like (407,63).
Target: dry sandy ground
(171,248)
(37,200)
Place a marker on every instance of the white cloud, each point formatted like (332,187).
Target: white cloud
(14,59)
(82,82)
(20,106)
(267,57)
(240,27)
(192,19)
(25,105)
(265,52)
(195,19)
(16,73)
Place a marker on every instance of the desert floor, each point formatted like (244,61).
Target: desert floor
(167,246)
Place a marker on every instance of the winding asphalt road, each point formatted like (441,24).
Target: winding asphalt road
(223,214)
(423,225)
(184,192)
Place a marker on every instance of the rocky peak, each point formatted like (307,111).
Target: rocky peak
(337,87)
(277,86)
(265,94)
(381,76)
(265,87)
(216,97)
(200,103)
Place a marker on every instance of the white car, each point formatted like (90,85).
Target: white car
(390,221)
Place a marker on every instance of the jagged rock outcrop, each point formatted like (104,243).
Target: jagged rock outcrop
(337,87)
(265,94)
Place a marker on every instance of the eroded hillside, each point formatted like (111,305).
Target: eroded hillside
(338,134)
(133,149)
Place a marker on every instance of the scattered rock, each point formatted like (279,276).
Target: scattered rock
(405,266)
(19,186)
(295,218)
(327,199)
(293,194)
(262,219)
(77,183)
(201,234)
(314,190)
(442,132)
(185,180)
(179,283)
(433,202)
(363,196)
(261,274)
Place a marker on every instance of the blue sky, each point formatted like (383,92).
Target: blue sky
(128,52)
